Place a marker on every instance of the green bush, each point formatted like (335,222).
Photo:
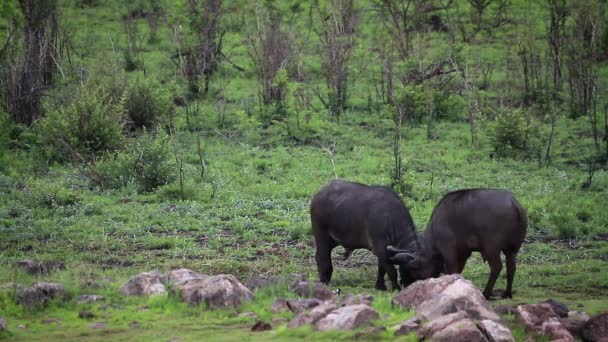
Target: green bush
(91,125)
(148,103)
(146,165)
(508,132)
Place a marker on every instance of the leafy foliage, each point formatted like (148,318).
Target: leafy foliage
(148,103)
(93,124)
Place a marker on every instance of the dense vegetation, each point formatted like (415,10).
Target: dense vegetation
(155,134)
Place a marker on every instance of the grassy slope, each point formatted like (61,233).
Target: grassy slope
(249,215)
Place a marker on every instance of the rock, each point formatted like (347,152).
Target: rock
(279,306)
(495,332)
(560,309)
(460,331)
(145,284)
(22,326)
(411,325)
(433,327)
(533,315)
(89,298)
(182,275)
(542,319)
(84,314)
(299,305)
(556,331)
(98,325)
(436,297)
(315,290)
(575,321)
(220,291)
(596,329)
(261,326)
(347,318)
(3,324)
(312,316)
(50,320)
(357,299)
(248,314)
(261,282)
(39,294)
(40,268)
(134,325)
(505,310)
(369,333)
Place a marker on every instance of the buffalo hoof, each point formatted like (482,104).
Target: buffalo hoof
(381,287)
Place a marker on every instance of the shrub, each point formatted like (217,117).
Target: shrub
(89,126)
(508,133)
(147,103)
(147,164)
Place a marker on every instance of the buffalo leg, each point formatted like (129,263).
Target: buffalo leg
(325,244)
(510,256)
(380,285)
(495,268)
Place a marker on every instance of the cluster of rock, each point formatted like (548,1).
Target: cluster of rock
(448,308)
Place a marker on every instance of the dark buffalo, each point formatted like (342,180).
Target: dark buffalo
(483,220)
(356,216)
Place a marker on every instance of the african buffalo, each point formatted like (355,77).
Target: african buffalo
(356,216)
(484,220)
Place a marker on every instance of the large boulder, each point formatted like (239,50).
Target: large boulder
(596,329)
(315,290)
(311,317)
(214,292)
(39,294)
(454,327)
(437,297)
(575,321)
(145,284)
(542,319)
(300,305)
(181,275)
(347,318)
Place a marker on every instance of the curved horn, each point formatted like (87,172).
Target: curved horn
(402,258)
(392,250)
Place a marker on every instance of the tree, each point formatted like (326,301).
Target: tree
(338,21)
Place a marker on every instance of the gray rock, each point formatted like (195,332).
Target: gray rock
(214,292)
(182,275)
(39,294)
(596,329)
(145,284)
(435,326)
(316,290)
(312,316)
(495,332)
(411,325)
(460,331)
(279,305)
(261,282)
(85,314)
(3,324)
(347,318)
(437,297)
(556,331)
(261,326)
(575,321)
(358,299)
(98,325)
(299,305)
(40,268)
(89,298)
(560,309)
(541,318)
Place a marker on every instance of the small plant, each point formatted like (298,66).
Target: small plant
(508,133)
(148,103)
(88,127)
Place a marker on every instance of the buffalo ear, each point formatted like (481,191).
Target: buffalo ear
(402,258)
